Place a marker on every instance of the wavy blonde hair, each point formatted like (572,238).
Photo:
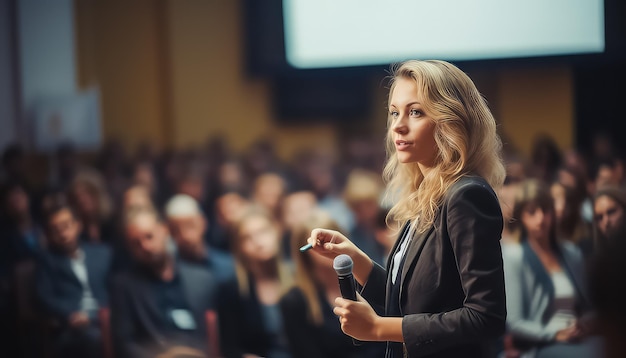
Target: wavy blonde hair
(465,134)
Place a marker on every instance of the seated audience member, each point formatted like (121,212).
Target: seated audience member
(603,172)
(159,305)
(297,206)
(362,194)
(250,320)
(71,281)
(547,306)
(228,208)
(93,206)
(609,213)
(20,236)
(268,191)
(567,207)
(312,328)
(187,226)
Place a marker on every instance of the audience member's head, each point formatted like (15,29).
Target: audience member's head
(609,213)
(187,225)
(604,172)
(136,196)
(191,184)
(88,195)
(363,192)
(297,206)
(62,228)
(257,236)
(231,177)
(257,246)
(143,174)
(568,195)
(312,271)
(268,190)
(229,207)
(545,157)
(146,237)
(14,201)
(533,212)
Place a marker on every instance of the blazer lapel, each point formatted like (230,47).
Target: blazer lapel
(390,261)
(413,252)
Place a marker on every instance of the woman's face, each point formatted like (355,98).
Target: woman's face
(608,215)
(537,221)
(412,129)
(259,239)
(86,203)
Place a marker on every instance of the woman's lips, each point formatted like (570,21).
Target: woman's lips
(403,144)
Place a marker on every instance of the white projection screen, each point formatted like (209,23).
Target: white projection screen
(346,33)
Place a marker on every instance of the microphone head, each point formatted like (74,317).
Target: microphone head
(343,265)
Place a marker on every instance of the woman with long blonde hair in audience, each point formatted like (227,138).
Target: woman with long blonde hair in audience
(249,314)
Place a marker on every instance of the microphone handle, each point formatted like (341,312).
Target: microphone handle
(347,287)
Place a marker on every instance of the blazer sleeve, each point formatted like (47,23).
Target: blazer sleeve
(519,327)
(300,331)
(474,227)
(374,289)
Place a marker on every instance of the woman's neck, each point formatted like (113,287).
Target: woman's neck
(540,243)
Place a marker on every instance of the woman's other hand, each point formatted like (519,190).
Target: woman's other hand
(358,319)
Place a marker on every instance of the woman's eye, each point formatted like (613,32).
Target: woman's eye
(415,113)
(394,114)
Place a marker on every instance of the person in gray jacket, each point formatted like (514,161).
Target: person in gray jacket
(548,312)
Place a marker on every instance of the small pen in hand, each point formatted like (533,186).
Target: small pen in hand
(306,247)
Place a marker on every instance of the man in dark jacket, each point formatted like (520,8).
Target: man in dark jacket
(71,285)
(159,305)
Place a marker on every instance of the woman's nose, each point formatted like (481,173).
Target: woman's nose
(399,126)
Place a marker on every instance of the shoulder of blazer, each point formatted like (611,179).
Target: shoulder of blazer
(468,182)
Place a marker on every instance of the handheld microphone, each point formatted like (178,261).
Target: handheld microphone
(343,266)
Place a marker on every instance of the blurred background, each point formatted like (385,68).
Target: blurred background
(270,98)
(174,74)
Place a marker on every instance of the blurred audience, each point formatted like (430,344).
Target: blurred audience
(234,219)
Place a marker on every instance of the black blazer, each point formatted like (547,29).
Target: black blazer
(58,290)
(136,322)
(452,283)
